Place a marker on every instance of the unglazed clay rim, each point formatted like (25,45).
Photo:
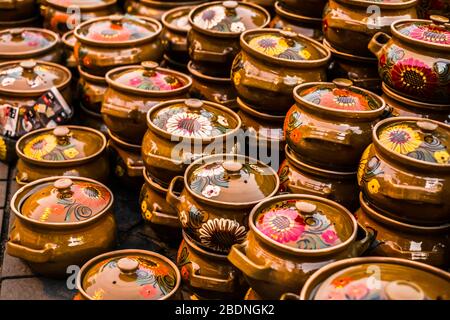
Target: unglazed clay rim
(86,267)
(400,157)
(92,78)
(202,252)
(92,7)
(153,184)
(164,134)
(33,93)
(285,13)
(382,5)
(187,80)
(58,225)
(226,34)
(413,103)
(66,41)
(305,252)
(146,23)
(171,27)
(124,144)
(348,56)
(212,158)
(204,77)
(286,62)
(31,53)
(60,163)
(327,271)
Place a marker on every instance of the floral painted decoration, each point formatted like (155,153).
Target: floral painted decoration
(426,32)
(46,147)
(278,46)
(33,40)
(108,31)
(221,234)
(156,81)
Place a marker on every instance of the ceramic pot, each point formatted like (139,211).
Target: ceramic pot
(405,173)
(211,205)
(91,90)
(427,8)
(133,91)
(180,131)
(209,275)
(400,106)
(69,40)
(396,239)
(174,35)
(128,275)
(61,16)
(292,236)
(252,295)
(415,62)
(92,120)
(330,119)
(214,42)
(156,9)
(291,21)
(272,62)
(60,222)
(14,10)
(398,279)
(7,149)
(114,41)
(68,150)
(308,8)
(33,22)
(215,89)
(299,177)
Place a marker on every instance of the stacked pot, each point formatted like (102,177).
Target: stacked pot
(18,14)
(156,9)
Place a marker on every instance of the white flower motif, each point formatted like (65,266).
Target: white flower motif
(191,125)
(237,27)
(222,120)
(221,234)
(211,191)
(209,18)
(8,81)
(183,218)
(211,171)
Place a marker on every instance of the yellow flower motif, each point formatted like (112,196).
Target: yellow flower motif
(237,78)
(144,206)
(40,146)
(270,45)
(362,164)
(98,294)
(148,215)
(373,186)
(441,156)
(305,54)
(3,149)
(71,153)
(400,138)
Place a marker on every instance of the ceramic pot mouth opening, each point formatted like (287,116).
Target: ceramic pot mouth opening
(285,13)
(348,56)
(154,184)
(197,74)
(202,252)
(383,5)
(391,93)
(166,15)
(82,7)
(29,54)
(91,77)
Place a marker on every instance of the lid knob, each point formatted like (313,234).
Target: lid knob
(288,33)
(62,134)
(28,64)
(305,207)
(232,166)
(193,103)
(427,126)
(439,20)
(63,186)
(116,18)
(342,83)
(230,5)
(16,32)
(404,290)
(127,265)
(149,67)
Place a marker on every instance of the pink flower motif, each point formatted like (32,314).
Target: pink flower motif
(336,295)
(148,291)
(135,81)
(282,225)
(329,236)
(33,43)
(356,291)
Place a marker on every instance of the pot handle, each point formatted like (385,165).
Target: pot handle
(211,283)
(364,244)
(135,168)
(252,270)
(323,192)
(22,178)
(327,135)
(7,4)
(165,219)
(277,85)
(33,255)
(211,56)
(377,43)
(120,112)
(289,296)
(411,193)
(171,197)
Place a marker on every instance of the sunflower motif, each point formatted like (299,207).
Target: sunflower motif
(3,149)
(269,45)
(189,125)
(400,138)
(283,225)
(40,146)
(210,18)
(344,99)
(221,234)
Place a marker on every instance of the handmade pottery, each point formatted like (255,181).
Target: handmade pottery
(415,62)
(133,91)
(405,173)
(375,278)
(348,25)
(62,151)
(128,275)
(92,120)
(7,149)
(69,40)
(61,222)
(252,295)
(209,275)
(427,8)
(272,62)
(91,90)
(156,9)
(211,205)
(33,22)
(16,10)
(292,236)
(180,131)
(332,119)
(114,41)
(396,239)
(308,8)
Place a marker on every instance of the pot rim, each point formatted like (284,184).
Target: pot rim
(348,56)
(114,253)
(153,184)
(217,203)
(382,5)
(91,77)
(91,7)
(54,225)
(333,267)
(197,74)
(225,34)
(295,251)
(200,251)
(413,103)
(353,114)
(170,27)
(403,158)
(113,44)
(31,53)
(90,112)
(34,93)
(60,163)
(65,41)
(285,62)
(124,144)
(160,132)
(168,4)
(265,116)
(22,23)
(285,13)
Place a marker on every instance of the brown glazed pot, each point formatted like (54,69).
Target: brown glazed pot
(92,120)
(290,237)
(405,173)
(291,21)
(114,41)
(63,151)
(265,76)
(180,131)
(299,177)
(61,222)
(396,239)
(155,9)
(209,275)
(427,8)
(332,119)
(393,279)
(61,16)
(33,22)
(211,205)
(91,90)
(307,8)
(348,25)
(128,275)
(415,61)
(69,40)
(133,91)
(16,10)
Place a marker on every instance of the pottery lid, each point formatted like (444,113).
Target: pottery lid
(26,41)
(129,275)
(31,76)
(65,200)
(229,17)
(82,4)
(177,19)
(231,179)
(419,139)
(383,4)
(69,39)
(435,32)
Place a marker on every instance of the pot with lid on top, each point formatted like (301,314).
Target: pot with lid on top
(68,39)
(91,90)
(156,9)
(308,8)
(18,10)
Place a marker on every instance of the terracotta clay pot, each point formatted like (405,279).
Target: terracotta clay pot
(292,236)
(91,90)
(209,275)
(264,77)
(69,40)
(61,222)
(16,10)
(308,8)
(396,239)
(415,62)
(156,9)
(405,173)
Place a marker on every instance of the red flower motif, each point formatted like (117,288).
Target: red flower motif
(329,236)
(356,291)
(432,34)
(185,273)
(341,282)
(382,60)
(148,291)
(295,135)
